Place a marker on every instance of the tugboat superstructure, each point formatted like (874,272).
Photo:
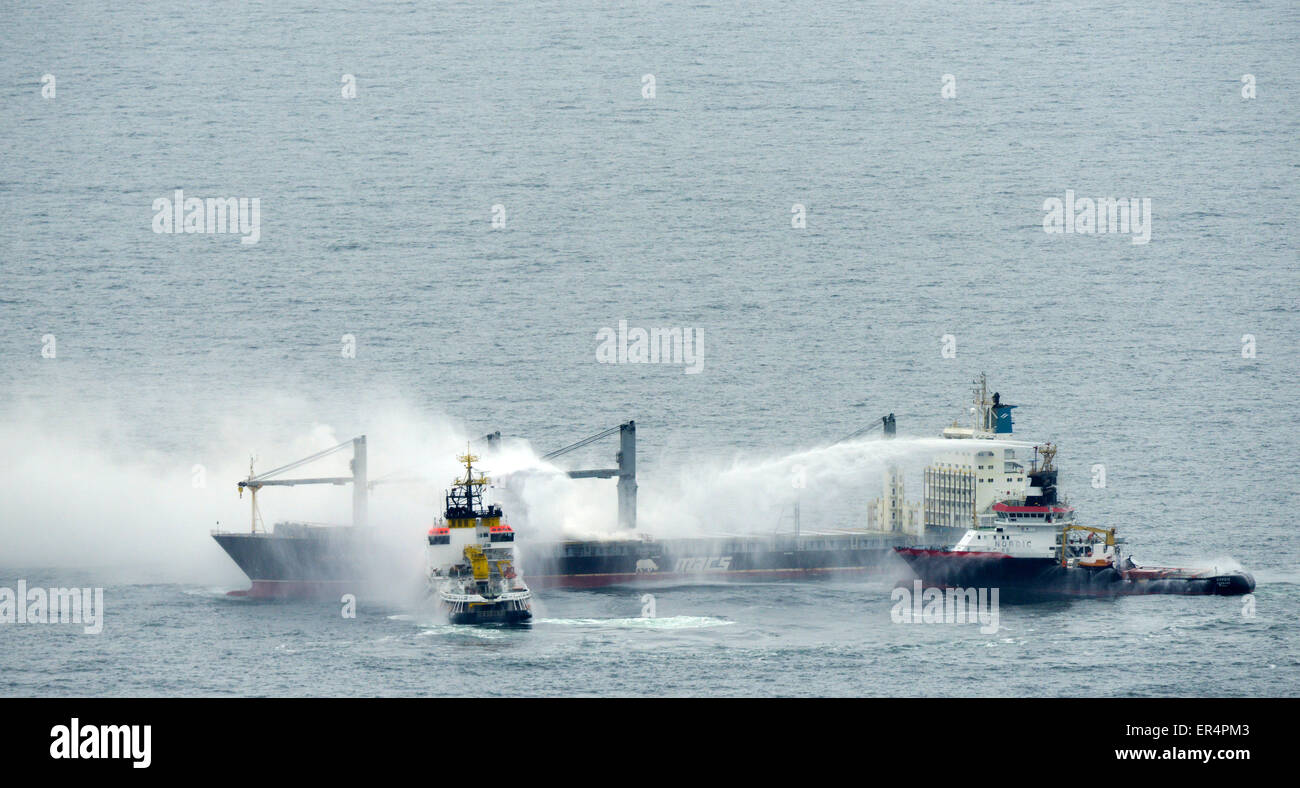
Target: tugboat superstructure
(471,558)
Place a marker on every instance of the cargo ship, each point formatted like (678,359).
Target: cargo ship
(306,559)
(315,560)
(471,567)
(644,559)
(1036,548)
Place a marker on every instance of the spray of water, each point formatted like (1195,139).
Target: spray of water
(103,497)
(702,496)
(750,495)
(82,489)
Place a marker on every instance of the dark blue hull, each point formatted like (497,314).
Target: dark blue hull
(492,617)
(1035,578)
(329,561)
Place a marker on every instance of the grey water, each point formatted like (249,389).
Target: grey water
(141,369)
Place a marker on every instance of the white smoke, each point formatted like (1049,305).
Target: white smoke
(701,496)
(84,489)
(79,488)
(831,484)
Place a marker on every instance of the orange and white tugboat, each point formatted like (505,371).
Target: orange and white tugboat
(1034,548)
(471,558)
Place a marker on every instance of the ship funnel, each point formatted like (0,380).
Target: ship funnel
(1041,490)
(1001,415)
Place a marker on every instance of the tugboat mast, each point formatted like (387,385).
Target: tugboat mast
(465,507)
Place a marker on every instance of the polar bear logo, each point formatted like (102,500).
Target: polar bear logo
(646,566)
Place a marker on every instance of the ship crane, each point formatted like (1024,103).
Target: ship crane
(888,423)
(625,472)
(358,479)
(1062,548)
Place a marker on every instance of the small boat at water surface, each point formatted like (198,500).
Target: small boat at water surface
(471,566)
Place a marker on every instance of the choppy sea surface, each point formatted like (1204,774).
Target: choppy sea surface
(141,369)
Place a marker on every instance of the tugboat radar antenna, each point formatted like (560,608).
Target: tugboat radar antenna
(469,460)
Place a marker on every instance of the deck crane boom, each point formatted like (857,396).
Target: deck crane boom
(358,478)
(887,422)
(625,472)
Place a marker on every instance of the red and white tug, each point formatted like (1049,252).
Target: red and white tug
(1035,547)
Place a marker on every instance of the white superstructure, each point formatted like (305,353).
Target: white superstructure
(980,470)
(962,483)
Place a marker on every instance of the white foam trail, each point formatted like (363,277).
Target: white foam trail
(484,633)
(1226,563)
(669,622)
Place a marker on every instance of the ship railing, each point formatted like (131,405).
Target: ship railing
(306,523)
(238,532)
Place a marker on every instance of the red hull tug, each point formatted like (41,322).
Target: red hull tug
(1035,548)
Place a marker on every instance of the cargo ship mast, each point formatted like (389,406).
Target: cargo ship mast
(254,483)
